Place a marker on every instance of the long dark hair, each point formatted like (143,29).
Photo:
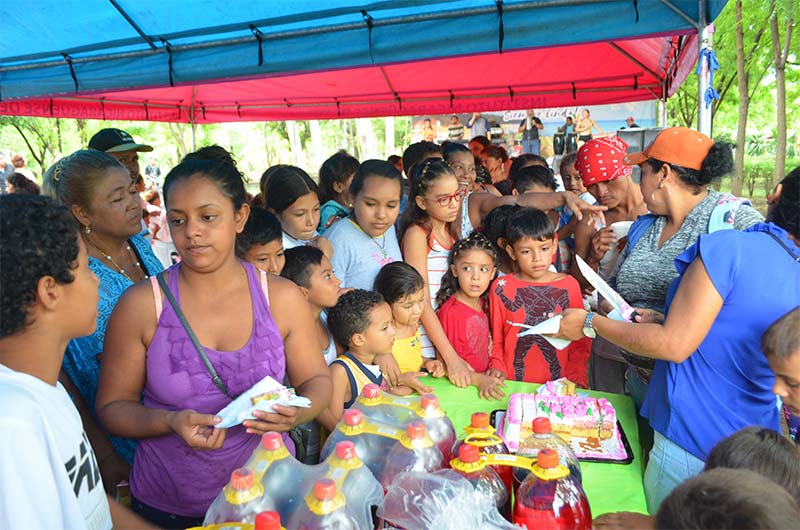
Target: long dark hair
(423,175)
(283,185)
(397,280)
(474,241)
(338,168)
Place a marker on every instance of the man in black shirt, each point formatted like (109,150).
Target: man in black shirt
(529,127)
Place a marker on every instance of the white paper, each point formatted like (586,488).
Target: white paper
(242,408)
(548,327)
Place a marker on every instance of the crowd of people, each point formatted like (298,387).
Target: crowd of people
(370,274)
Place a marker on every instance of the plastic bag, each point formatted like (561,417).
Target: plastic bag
(443,500)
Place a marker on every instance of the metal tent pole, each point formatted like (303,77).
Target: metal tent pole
(705,42)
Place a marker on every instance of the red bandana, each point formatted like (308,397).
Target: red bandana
(601,159)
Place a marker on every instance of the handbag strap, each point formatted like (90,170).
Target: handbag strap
(785,247)
(215,378)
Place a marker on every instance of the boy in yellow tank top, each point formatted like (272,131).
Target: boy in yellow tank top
(362,321)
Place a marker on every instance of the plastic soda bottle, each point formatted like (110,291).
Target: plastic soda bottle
(481,434)
(325,509)
(280,474)
(440,428)
(372,444)
(482,477)
(238,500)
(543,437)
(549,499)
(415,451)
(356,482)
(268,521)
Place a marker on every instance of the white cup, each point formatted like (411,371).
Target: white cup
(620,228)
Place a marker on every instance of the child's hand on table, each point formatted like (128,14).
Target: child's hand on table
(488,387)
(410,380)
(494,372)
(435,367)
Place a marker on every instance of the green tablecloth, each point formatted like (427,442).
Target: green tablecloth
(609,487)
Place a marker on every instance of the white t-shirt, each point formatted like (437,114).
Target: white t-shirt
(49,477)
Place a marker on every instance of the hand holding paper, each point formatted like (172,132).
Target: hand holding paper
(546,328)
(260,400)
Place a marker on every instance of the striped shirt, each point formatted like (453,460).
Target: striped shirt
(437,267)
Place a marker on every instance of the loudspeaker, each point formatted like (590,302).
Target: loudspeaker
(637,140)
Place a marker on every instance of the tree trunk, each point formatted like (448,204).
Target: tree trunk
(781,55)
(294,142)
(389,135)
(744,104)
(317,148)
(366,137)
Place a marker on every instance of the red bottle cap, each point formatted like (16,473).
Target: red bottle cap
(324,489)
(428,400)
(346,450)
(353,417)
(271,441)
(268,521)
(242,479)
(416,430)
(547,458)
(469,453)
(480,420)
(542,426)
(371,391)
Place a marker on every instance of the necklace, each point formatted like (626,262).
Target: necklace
(109,258)
(381,245)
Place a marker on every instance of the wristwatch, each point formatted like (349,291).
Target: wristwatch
(588,328)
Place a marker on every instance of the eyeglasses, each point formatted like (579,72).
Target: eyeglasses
(446,200)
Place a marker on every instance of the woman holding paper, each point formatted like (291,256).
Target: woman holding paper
(711,378)
(155,384)
(677,169)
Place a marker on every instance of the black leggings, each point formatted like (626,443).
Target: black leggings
(163,519)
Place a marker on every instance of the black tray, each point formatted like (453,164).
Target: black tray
(625,443)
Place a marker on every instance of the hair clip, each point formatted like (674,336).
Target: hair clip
(58,169)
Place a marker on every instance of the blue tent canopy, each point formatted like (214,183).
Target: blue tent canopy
(67,47)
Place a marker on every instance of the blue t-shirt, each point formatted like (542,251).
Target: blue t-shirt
(328,210)
(726,384)
(357,257)
(80,360)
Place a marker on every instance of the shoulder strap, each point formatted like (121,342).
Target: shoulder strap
(218,382)
(348,369)
(724,213)
(264,285)
(637,230)
(157,296)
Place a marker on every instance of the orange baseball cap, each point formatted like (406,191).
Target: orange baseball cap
(677,145)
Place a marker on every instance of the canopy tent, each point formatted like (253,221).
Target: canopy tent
(204,61)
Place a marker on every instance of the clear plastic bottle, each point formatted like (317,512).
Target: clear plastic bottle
(549,499)
(325,509)
(379,405)
(281,475)
(481,434)
(543,437)
(373,439)
(440,428)
(239,500)
(482,477)
(356,482)
(415,451)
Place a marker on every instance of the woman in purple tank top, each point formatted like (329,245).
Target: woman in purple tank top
(153,384)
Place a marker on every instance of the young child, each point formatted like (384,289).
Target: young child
(495,228)
(261,242)
(781,345)
(426,239)
(403,289)
(50,475)
(361,320)
(472,265)
(537,179)
(335,177)
(526,297)
(311,270)
(293,197)
(572,182)
(366,240)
